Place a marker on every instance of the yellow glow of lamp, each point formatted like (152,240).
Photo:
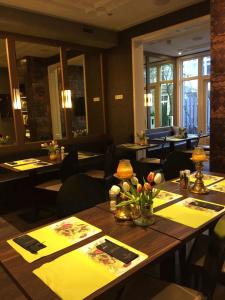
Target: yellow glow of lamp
(124,169)
(16,99)
(66,99)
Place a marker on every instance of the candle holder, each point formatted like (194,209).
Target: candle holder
(198,157)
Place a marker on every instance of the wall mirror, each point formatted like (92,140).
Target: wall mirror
(39,74)
(77,85)
(7,129)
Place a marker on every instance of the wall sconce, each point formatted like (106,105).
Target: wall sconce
(16,99)
(148,99)
(66,99)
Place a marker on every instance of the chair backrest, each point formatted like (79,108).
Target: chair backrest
(69,165)
(215,257)
(175,162)
(77,193)
(109,160)
(196,141)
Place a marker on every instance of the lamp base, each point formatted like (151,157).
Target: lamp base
(199,189)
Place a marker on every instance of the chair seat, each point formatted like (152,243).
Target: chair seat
(151,160)
(99,174)
(148,288)
(51,185)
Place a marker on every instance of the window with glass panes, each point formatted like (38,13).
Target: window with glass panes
(160,90)
(195,93)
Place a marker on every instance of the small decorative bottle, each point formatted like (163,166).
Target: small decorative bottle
(62,152)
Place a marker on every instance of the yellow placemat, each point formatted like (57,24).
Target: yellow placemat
(81,272)
(208,179)
(219,187)
(57,236)
(31,166)
(184,213)
(21,162)
(164,197)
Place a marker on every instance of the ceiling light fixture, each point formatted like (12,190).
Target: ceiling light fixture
(180,53)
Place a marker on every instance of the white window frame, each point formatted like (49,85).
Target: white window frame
(202,79)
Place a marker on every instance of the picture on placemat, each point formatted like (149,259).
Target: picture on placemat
(74,229)
(114,265)
(219,187)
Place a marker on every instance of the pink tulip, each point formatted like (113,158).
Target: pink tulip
(150,177)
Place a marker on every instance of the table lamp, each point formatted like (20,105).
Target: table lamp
(198,157)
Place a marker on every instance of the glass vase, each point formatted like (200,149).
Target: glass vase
(52,155)
(143,215)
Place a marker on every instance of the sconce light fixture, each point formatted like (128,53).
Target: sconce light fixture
(148,99)
(66,99)
(16,99)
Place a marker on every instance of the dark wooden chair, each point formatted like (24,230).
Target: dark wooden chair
(206,262)
(68,168)
(176,161)
(156,163)
(145,287)
(77,193)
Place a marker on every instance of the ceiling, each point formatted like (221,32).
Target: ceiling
(112,14)
(187,39)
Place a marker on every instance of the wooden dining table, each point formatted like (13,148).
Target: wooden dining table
(173,140)
(138,149)
(44,162)
(159,240)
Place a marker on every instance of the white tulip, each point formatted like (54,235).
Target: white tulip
(158,178)
(115,190)
(126,186)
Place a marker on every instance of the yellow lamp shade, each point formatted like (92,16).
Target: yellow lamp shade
(198,154)
(124,169)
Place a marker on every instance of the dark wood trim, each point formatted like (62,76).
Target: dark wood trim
(51,42)
(103,92)
(65,86)
(14,84)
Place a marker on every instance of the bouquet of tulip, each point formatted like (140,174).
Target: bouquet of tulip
(134,192)
(4,139)
(51,147)
(136,199)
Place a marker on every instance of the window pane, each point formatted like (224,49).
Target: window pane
(7,130)
(208,107)
(37,67)
(206,64)
(190,68)
(76,85)
(166,72)
(152,74)
(166,104)
(190,105)
(151,109)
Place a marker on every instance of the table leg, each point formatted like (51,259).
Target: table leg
(167,268)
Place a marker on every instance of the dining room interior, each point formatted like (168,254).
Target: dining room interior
(112,140)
